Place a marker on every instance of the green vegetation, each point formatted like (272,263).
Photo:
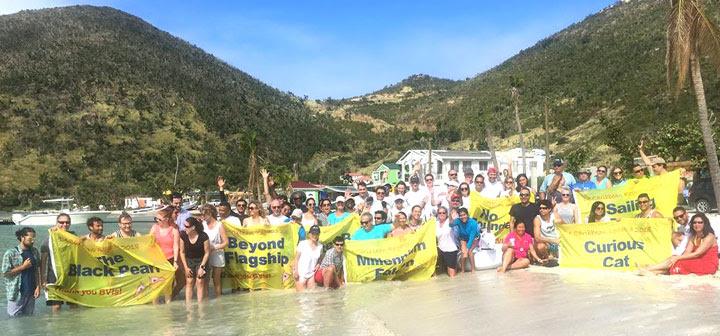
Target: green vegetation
(98,104)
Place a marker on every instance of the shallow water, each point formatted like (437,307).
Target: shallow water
(537,301)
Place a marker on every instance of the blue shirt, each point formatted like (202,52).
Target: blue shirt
(182,216)
(587,185)
(569,180)
(466,231)
(377,232)
(334,219)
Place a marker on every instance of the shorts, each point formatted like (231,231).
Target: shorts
(319,278)
(553,249)
(217,259)
(25,305)
(449,259)
(194,266)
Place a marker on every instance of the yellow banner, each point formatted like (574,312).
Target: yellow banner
(410,257)
(616,246)
(621,201)
(345,228)
(260,256)
(493,213)
(111,273)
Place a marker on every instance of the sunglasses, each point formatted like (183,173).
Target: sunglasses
(380,192)
(679,217)
(275,207)
(378,219)
(365,222)
(698,222)
(63,222)
(337,244)
(241,205)
(479,182)
(524,195)
(568,195)
(643,202)
(464,189)
(617,173)
(453,174)
(602,171)
(637,171)
(544,208)
(325,205)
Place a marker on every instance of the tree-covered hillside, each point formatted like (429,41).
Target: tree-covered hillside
(97,103)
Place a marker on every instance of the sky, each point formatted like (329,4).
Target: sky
(342,49)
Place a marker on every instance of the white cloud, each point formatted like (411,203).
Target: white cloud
(14,6)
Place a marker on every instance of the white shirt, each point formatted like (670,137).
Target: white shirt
(232,220)
(394,211)
(277,220)
(417,197)
(492,190)
(359,199)
(680,249)
(445,236)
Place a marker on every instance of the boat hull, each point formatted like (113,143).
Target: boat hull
(49,218)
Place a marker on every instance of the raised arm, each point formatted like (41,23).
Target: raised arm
(644,157)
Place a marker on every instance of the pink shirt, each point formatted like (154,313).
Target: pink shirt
(521,244)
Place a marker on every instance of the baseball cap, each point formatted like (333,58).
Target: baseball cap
(492,170)
(658,160)
(340,199)
(297,213)
(399,198)
(414,179)
(558,163)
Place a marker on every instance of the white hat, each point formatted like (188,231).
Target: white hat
(340,199)
(297,213)
(452,183)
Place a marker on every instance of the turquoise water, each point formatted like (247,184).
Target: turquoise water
(538,301)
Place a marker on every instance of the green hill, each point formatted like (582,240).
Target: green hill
(603,81)
(97,103)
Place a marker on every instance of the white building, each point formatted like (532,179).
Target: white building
(442,161)
(512,161)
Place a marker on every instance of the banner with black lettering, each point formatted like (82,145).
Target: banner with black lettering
(111,273)
(260,256)
(410,257)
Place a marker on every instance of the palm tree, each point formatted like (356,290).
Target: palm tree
(690,35)
(515,84)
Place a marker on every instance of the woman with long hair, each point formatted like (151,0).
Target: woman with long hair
(400,226)
(700,256)
(597,213)
(215,231)
(256,215)
(167,237)
(305,264)
(447,249)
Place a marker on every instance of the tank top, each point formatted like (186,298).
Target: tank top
(165,241)
(197,250)
(649,214)
(547,228)
(566,213)
(308,222)
(213,234)
(602,184)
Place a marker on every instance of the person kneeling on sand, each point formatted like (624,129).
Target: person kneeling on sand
(700,256)
(515,249)
(330,274)
(467,231)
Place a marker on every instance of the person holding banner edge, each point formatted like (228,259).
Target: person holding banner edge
(700,257)
(47,271)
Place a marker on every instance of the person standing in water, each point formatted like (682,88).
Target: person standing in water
(20,267)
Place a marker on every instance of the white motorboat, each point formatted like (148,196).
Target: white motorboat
(48,217)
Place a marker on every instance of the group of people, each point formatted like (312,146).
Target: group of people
(194,245)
